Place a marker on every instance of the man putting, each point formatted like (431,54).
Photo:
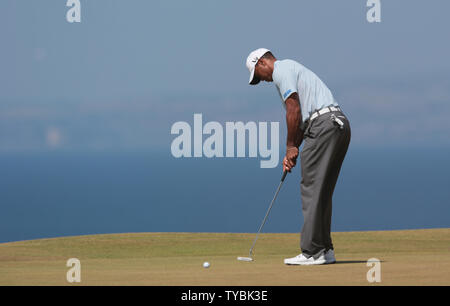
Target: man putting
(312,114)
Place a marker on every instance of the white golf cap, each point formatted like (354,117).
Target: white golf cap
(252,60)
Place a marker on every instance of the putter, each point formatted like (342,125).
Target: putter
(250,256)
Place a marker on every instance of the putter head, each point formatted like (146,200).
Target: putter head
(245,258)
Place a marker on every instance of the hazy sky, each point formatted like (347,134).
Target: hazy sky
(119,79)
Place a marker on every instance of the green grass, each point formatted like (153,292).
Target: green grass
(410,257)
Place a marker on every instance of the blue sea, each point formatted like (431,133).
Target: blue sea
(61,194)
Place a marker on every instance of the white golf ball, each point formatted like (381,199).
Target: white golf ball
(206,264)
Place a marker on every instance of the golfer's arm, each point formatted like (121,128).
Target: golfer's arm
(293,120)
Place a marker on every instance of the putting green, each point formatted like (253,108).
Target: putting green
(409,257)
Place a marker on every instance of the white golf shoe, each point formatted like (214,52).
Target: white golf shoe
(329,257)
(302,260)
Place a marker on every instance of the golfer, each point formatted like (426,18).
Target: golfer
(312,115)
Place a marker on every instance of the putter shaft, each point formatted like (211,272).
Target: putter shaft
(267,213)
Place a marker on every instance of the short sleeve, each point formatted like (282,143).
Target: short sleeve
(285,79)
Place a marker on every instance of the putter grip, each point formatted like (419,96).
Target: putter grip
(284,176)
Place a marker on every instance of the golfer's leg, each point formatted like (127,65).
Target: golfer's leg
(312,241)
(340,145)
(321,159)
(309,201)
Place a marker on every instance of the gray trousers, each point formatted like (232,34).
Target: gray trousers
(324,149)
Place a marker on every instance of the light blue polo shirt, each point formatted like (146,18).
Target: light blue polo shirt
(290,76)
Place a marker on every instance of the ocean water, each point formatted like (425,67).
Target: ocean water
(62,194)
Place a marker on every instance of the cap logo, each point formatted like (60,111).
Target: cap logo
(255,59)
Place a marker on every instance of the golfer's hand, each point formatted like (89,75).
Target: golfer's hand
(290,159)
